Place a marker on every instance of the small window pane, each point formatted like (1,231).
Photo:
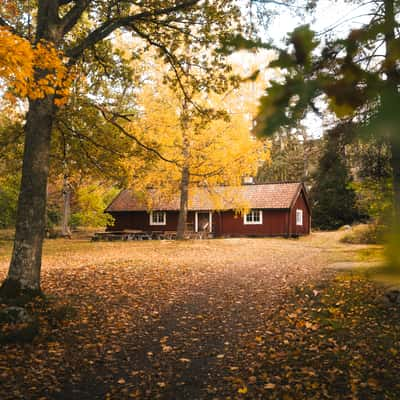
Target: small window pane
(299,217)
(158,218)
(253,217)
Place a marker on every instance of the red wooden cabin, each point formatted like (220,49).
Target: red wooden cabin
(278,209)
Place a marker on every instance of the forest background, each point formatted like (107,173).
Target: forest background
(349,177)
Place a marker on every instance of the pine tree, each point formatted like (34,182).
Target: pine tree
(334,200)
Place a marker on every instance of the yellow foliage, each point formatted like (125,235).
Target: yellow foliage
(218,151)
(32,71)
(16,60)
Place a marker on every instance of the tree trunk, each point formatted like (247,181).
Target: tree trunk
(24,271)
(183,209)
(185,177)
(66,192)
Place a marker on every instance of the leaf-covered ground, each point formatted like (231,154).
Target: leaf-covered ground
(219,319)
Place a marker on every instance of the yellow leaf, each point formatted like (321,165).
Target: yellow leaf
(242,390)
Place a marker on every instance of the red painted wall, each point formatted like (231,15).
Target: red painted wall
(140,220)
(300,204)
(275,223)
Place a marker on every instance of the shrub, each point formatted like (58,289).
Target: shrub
(366,234)
(92,200)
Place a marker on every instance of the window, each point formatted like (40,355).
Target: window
(158,218)
(254,217)
(299,217)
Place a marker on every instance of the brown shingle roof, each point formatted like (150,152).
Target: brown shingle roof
(267,196)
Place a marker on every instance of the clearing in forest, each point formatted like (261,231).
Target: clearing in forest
(211,319)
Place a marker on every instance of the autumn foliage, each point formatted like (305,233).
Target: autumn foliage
(32,71)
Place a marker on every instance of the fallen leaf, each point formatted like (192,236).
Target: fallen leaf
(242,390)
(269,386)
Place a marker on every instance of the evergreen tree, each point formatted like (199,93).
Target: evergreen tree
(334,199)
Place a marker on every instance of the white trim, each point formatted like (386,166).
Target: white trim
(151,222)
(196,220)
(299,217)
(253,222)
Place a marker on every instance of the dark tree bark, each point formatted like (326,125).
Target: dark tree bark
(24,272)
(185,177)
(66,192)
(184,200)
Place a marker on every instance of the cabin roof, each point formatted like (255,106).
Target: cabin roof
(262,196)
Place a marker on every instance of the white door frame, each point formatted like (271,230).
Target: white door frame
(196,220)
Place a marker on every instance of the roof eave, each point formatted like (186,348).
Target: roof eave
(297,194)
(197,209)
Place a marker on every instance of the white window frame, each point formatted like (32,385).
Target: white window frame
(196,220)
(153,213)
(253,222)
(299,217)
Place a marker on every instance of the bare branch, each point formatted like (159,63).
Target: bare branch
(133,137)
(172,61)
(81,135)
(73,15)
(6,24)
(113,24)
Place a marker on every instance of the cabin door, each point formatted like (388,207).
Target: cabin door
(203,221)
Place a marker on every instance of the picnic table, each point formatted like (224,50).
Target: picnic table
(164,235)
(125,235)
(121,235)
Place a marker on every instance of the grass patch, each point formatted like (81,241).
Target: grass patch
(371,254)
(366,234)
